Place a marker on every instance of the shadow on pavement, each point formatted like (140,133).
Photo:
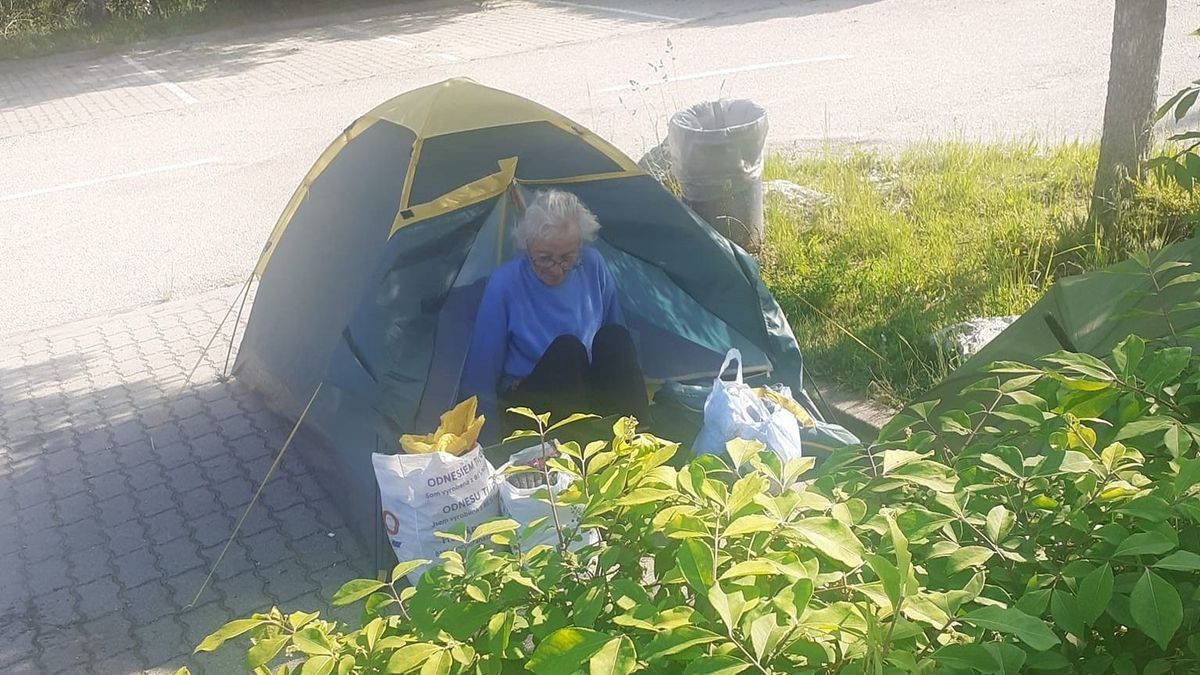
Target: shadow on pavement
(114,507)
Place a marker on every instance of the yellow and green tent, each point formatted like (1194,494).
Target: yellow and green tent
(370,281)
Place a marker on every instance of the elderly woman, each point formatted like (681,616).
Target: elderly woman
(550,335)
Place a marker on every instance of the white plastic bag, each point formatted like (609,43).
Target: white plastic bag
(427,493)
(521,505)
(733,410)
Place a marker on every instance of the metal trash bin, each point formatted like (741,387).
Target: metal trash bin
(716,153)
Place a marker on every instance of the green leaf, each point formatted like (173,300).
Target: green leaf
(750,524)
(571,420)
(729,606)
(410,657)
(566,650)
(1064,607)
(312,641)
(1095,592)
(1010,657)
(888,576)
(751,568)
(998,463)
(1166,107)
(999,523)
(646,495)
(676,640)
(801,593)
(760,634)
(1180,561)
(1144,543)
(1030,630)
(298,620)
(1188,476)
(697,563)
(1142,427)
(1149,508)
(925,473)
(1075,462)
(923,608)
(616,657)
(893,459)
(1156,608)
(522,433)
(264,651)
(968,657)
(716,665)
(438,664)
(228,631)
(1189,278)
(966,557)
(402,569)
(831,537)
(477,592)
(526,413)
(742,493)
(741,451)
(1177,440)
(1053,661)
(1128,354)
(1082,364)
(1165,365)
(318,665)
(494,527)
(355,590)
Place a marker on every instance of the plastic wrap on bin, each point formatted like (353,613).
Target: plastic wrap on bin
(716,151)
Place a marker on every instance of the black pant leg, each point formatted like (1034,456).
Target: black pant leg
(557,384)
(615,381)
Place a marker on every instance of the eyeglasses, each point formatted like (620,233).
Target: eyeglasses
(545,263)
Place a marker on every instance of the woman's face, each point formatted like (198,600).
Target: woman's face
(554,257)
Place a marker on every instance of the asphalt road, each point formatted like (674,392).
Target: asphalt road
(158,173)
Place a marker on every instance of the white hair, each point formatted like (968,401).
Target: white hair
(552,213)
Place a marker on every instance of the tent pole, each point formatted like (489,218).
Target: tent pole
(254,499)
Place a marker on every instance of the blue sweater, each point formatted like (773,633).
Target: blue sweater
(520,316)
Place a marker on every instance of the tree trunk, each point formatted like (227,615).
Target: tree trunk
(96,12)
(1138,27)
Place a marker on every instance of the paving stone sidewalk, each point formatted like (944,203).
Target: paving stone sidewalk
(113,507)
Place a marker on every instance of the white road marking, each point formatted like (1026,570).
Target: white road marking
(109,179)
(157,78)
(726,71)
(616,10)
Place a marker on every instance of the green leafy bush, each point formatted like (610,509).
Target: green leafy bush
(1181,164)
(1047,521)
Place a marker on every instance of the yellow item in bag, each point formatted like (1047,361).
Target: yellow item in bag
(787,404)
(457,433)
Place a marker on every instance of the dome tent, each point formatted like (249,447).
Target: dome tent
(370,282)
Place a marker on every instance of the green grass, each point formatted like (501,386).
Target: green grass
(939,233)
